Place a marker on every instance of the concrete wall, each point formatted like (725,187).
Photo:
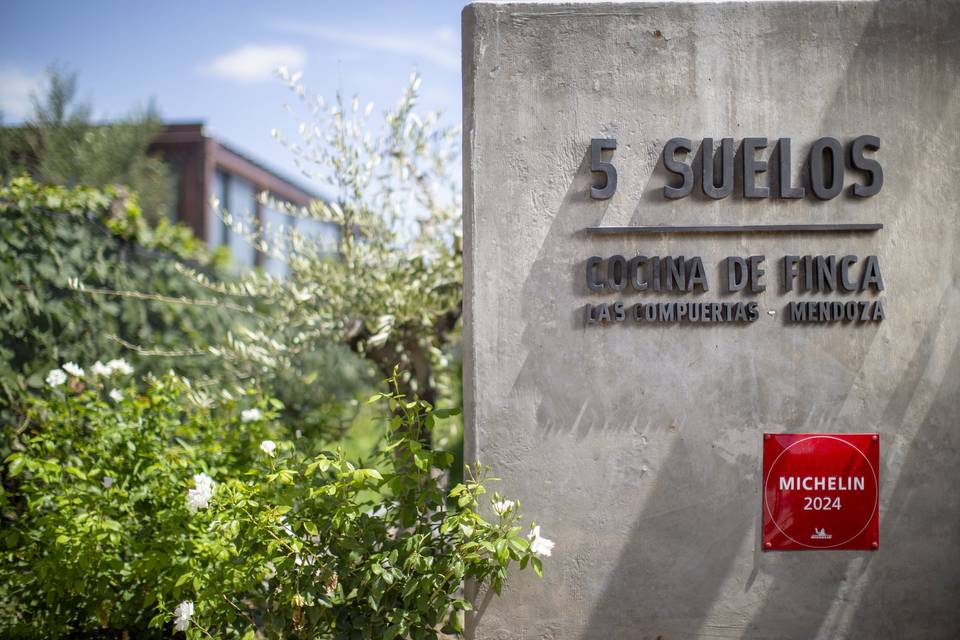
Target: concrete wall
(637,448)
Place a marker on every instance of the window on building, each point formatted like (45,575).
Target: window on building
(276,225)
(172,211)
(242,196)
(216,229)
(238,197)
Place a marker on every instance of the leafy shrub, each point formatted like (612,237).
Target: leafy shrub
(85,277)
(140,513)
(50,236)
(96,525)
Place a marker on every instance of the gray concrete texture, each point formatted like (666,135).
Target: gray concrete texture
(637,448)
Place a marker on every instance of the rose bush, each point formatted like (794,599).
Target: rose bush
(85,277)
(140,510)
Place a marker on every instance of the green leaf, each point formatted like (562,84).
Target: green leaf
(442,459)
(521,544)
(76,472)
(15,464)
(310,527)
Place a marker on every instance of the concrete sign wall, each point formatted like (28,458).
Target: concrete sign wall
(635,441)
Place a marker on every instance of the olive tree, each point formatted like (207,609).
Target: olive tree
(390,286)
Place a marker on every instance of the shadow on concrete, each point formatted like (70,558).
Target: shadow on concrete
(863,594)
(672,575)
(886,608)
(546,323)
(682,548)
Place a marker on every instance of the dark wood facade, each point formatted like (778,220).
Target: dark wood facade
(194,158)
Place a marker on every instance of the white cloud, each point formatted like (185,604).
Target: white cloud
(439,47)
(16,87)
(254,62)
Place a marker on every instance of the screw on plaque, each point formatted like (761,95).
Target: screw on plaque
(875,545)
(767,436)
(876,437)
(768,545)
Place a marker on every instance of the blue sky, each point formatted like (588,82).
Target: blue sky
(212,61)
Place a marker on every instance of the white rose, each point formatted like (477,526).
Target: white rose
(268,447)
(199,496)
(116,395)
(120,365)
(73,369)
(100,369)
(182,615)
(539,545)
(250,415)
(56,377)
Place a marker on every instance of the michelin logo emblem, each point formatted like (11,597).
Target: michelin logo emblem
(820,534)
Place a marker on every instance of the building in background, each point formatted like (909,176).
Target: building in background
(204,167)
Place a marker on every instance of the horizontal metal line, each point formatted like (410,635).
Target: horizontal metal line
(738,228)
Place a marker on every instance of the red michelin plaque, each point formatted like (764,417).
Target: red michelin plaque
(821,491)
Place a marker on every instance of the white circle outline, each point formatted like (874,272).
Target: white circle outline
(774,464)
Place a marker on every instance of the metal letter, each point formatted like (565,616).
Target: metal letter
(868,165)
(817,183)
(590,318)
(617,272)
(783,155)
(789,271)
(678,167)
(696,275)
(845,282)
(808,283)
(675,273)
(756,273)
(878,312)
(707,183)
(826,273)
(752,166)
(597,146)
(594,284)
(635,273)
(871,275)
(736,273)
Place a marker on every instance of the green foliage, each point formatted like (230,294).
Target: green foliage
(60,144)
(86,278)
(391,288)
(135,509)
(282,543)
(53,236)
(15,156)
(81,552)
